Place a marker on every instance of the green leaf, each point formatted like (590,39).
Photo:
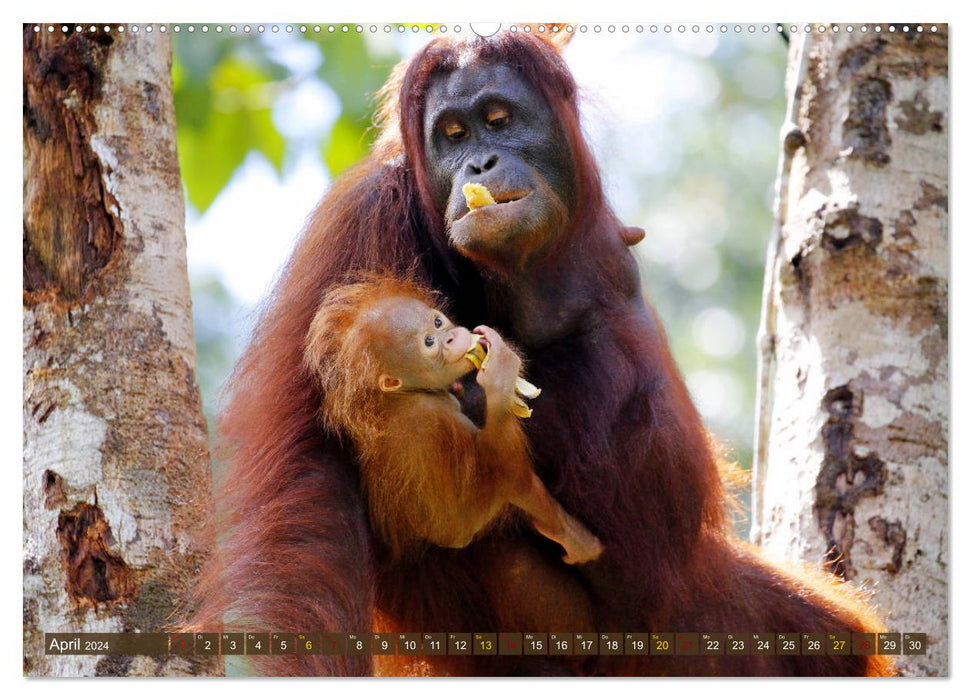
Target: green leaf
(224,92)
(347,145)
(232,118)
(351,71)
(355,76)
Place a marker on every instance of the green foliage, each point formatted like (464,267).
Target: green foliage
(348,143)
(224,89)
(351,71)
(355,75)
(238,122)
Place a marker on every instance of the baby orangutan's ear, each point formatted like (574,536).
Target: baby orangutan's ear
(388,383)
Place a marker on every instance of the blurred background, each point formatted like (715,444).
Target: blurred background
(685,126)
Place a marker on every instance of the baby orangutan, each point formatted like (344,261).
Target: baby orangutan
(387,361)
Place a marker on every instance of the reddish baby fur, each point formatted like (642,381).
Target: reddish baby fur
(614,435)
(427,477)
(430,475)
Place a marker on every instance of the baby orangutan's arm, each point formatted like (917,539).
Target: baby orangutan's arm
(553,522)
(502,450)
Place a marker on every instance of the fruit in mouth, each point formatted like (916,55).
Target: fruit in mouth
(477,352)
(477,196)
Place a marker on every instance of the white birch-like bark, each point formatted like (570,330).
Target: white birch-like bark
(852,438)
(116,466)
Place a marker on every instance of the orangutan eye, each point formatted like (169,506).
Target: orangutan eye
(429,341)
(438,322)
(497,117)
(454,131)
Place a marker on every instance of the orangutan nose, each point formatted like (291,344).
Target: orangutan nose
(478,166)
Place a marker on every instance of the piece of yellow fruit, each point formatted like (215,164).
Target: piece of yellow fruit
(520,408)
(477,196)
(478,355)
(477,352)
(527,390)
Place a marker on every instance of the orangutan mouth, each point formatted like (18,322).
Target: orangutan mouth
(506,197)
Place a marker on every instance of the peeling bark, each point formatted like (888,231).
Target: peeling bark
(117,484)
(852,443)
(93,572)
(71,227)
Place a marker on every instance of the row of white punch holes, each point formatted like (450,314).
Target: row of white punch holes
(582,28)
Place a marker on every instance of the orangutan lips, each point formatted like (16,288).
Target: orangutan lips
(478,196)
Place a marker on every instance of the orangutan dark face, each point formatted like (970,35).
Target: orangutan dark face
(485,124)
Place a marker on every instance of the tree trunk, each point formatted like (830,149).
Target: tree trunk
(116,466)
(852,443)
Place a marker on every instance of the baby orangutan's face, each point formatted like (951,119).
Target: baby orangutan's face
(417,346)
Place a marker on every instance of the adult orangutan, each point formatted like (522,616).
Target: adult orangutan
(614,435)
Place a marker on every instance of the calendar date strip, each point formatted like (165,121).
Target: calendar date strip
(487,643)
